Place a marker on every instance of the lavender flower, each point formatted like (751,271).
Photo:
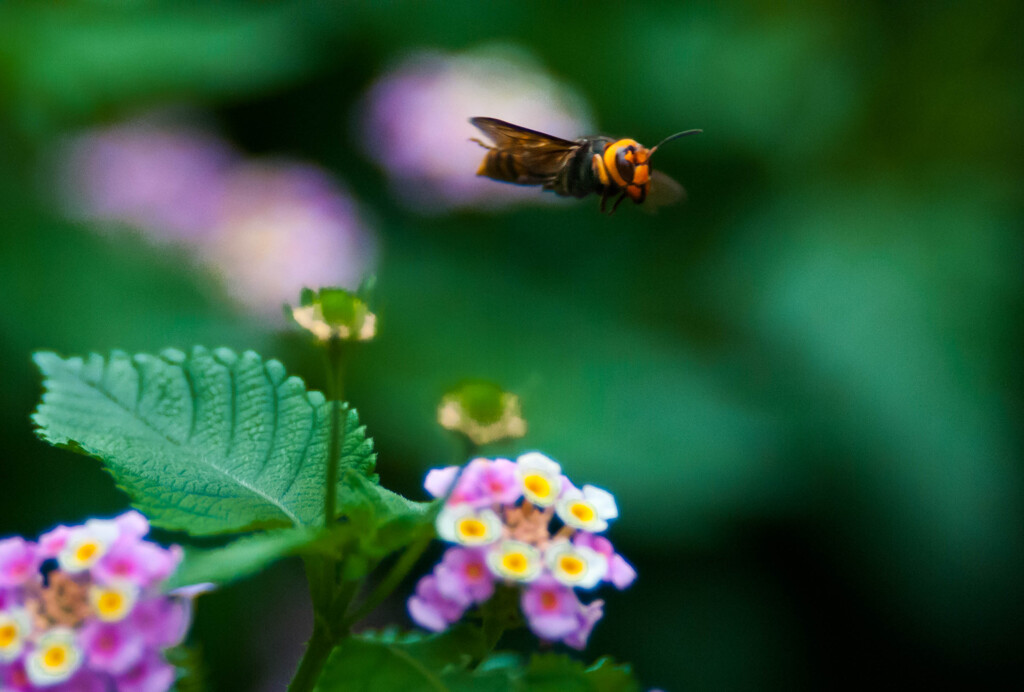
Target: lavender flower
(415,122)
(499,515)
(267,228)
(285,225)
(151,174)
(97,623)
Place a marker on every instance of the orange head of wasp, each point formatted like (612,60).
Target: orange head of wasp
(627,164)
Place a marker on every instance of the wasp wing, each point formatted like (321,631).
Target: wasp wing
(521,155)
(664,191)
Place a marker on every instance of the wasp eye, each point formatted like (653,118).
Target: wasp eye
(624,163)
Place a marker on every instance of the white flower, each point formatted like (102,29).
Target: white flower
(55,658)
(113,602)
(515,560)
(15,626)
(575,565)
(87,544)
(465,525)
(588,510)
(541,478)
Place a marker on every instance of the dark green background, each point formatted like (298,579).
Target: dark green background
(803,386)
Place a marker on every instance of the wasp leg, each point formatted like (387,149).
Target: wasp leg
(604,198)
(485,146)
(617,203)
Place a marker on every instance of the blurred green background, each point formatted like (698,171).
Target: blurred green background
(803,385)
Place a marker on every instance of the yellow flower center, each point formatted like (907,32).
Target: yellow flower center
(86,551)
(516,563)
(54,657)
(583,512)
(537,485)
(472,528)
(8,635)
(474,571)
(571,565)
(110,603)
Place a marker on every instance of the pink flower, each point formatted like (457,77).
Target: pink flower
(463,576)
(620,573)
(438,481)
(499,483)
(112,647)
(140,562)
(151,674)
(550,608)
(162,622)
(53,541)
(19,562)
(430,609)
(586,617)
(14,678)
(83,681)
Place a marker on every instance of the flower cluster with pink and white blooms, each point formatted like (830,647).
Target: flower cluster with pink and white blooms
(96,622)
(521,522)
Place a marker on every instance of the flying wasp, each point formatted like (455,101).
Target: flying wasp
(606,166)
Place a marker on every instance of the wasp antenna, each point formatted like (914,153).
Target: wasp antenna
(675,136)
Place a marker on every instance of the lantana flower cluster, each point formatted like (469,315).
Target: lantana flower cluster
(82,609)
(521,523)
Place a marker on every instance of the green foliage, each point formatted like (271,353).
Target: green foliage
(454,660)
(243,557)
(208,443)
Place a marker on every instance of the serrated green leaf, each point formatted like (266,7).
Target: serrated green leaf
(560,673)
(394,661)
(412,661)
(213,442)
(241,558)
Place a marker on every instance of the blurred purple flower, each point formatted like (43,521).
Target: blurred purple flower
(415,121)
(268,228)
(285,225)
(166,179)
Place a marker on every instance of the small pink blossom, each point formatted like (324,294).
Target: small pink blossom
(53,541)
(140,562)
(112,647)
(162,622)
(550,608)
(620,573)
(430,609)
(463,576)
(151,674)
(439,481)
(586,617)
(19,562)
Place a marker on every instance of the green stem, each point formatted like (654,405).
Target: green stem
(412,553)
(313,660)
(392,580)
(335,393)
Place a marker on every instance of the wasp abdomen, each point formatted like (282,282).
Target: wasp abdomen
(502,165)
